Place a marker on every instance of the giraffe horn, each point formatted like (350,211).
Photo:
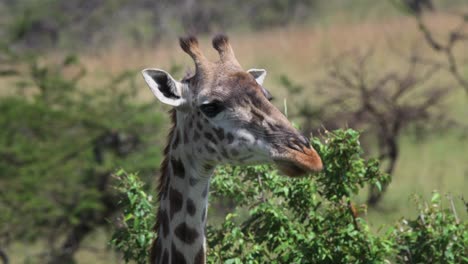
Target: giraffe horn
(226,53)
(189,45)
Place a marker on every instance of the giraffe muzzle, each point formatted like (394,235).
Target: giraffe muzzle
(298,161)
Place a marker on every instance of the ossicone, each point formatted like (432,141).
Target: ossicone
(226,53)
(189,45)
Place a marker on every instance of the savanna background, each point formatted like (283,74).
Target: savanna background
(74,108)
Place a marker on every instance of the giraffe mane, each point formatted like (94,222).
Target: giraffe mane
(163,179)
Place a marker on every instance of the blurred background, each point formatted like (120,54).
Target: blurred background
(74,108)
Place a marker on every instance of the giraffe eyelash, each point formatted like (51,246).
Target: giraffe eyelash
(212,109)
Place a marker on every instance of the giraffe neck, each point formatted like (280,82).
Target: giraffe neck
(183,205)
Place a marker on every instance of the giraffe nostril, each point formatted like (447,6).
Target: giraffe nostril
(305,140)
(296,143)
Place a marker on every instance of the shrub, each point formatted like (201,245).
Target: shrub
(133,237)
(297,220)
(436,235)
(59,143)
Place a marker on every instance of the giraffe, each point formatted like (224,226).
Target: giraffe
(220,115)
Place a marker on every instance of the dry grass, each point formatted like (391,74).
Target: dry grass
(302,48)
(298,52)
(301,53)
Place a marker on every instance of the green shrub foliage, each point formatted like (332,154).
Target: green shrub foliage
(436,235)
(301,220)
(277,219)
(59,142)
(133,236)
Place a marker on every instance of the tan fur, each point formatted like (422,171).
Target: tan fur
(254,130)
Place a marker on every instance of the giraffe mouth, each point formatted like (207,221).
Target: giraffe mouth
(295,163)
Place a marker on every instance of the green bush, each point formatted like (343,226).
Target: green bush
(435,236)
(133,238)
(59,143)
(277,219)
(298,220)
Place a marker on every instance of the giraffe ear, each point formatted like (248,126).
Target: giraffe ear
(258,74)
(164,87)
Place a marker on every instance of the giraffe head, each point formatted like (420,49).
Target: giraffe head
(224,114)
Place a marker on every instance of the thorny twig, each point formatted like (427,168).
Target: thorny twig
(450,198)
(454,37)
(353,213)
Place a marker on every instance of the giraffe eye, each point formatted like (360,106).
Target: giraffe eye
(211,109)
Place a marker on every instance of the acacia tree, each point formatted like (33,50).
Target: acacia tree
(59,143)
(381,102)
(445,45)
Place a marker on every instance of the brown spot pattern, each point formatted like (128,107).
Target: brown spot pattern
(165,257)
(219,133)
(230,138)
(165,189)
(224,153)
(178,168)
(193,181)
(191,209)
(186,138)
(176,140)
(164,223)
(210,137)
(200,257)
(176,256)
(158,250)
(208,167)
(186,234)
(210,149)
(176,201)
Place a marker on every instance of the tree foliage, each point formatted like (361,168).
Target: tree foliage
(52,23)
(59,143)
(298,220)
(445,45)
(383,103)
(313,220)
(132,237)
(436,235)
